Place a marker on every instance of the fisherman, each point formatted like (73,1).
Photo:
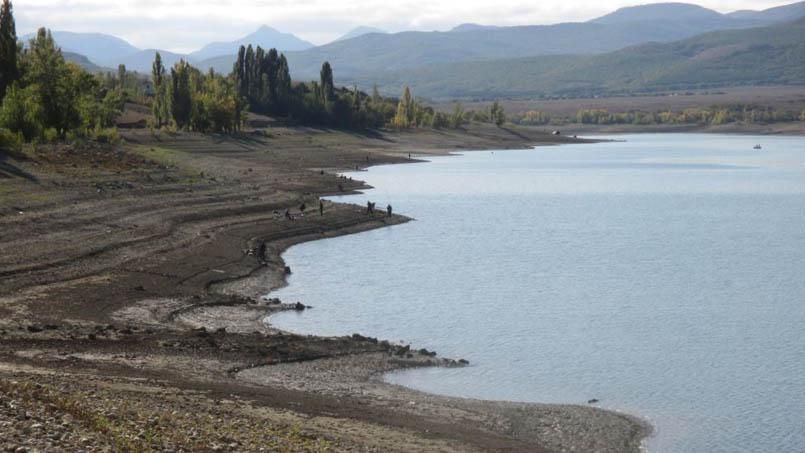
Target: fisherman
(321,207)
(388,209)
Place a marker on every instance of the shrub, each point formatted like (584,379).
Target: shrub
(10,141)
(22,112)
(50,135)
(107,135)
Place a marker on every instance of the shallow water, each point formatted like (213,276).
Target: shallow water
(664,275)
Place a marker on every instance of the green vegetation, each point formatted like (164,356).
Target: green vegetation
(412,114)
(263,80)
(9,68)
(44,97)
(711,116)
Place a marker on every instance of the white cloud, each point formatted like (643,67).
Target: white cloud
(183,25)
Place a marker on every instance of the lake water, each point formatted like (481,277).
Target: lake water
(663,275)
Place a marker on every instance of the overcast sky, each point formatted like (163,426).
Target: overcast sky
(186,25)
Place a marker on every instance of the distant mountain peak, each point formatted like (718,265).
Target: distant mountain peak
(265,37)
(782,13)
(360,31)
(472,27)
(659,11)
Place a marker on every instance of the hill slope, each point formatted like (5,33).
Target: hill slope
(776,14)
(84,62)
(660,11)
(757,56)
(143,60)
(358,31)
(98,47)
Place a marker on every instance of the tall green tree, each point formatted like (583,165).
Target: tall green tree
(22,111)
(376,99)
(239,71)
(457,118)
(326,84)
(159,107)
(181,97)
(406,111)
(9,69)
(284,85)
(121,77)
(496,114)
(356,99)
(47,72)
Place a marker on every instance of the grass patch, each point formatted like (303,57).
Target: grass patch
(162,156)
(14,193)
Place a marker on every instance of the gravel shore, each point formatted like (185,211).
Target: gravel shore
(130,317)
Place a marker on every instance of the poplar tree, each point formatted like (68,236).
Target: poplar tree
(248,72)
(121,76)
(159,107)
(406,111)
(356,100)
(496,114)
(283,82)
(376,99)
(181,97)
(457,118)
(240,72)
(326,84)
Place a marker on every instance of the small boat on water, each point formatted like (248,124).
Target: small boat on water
(758,147)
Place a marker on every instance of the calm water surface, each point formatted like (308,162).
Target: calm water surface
(664,275)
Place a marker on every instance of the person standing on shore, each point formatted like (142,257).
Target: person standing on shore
(388,209)
(321,207)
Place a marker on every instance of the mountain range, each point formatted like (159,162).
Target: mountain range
(473,60)
(770,55)
(383,53)
(109,51)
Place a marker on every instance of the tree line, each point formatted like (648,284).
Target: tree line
(46,98)
(710,116)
